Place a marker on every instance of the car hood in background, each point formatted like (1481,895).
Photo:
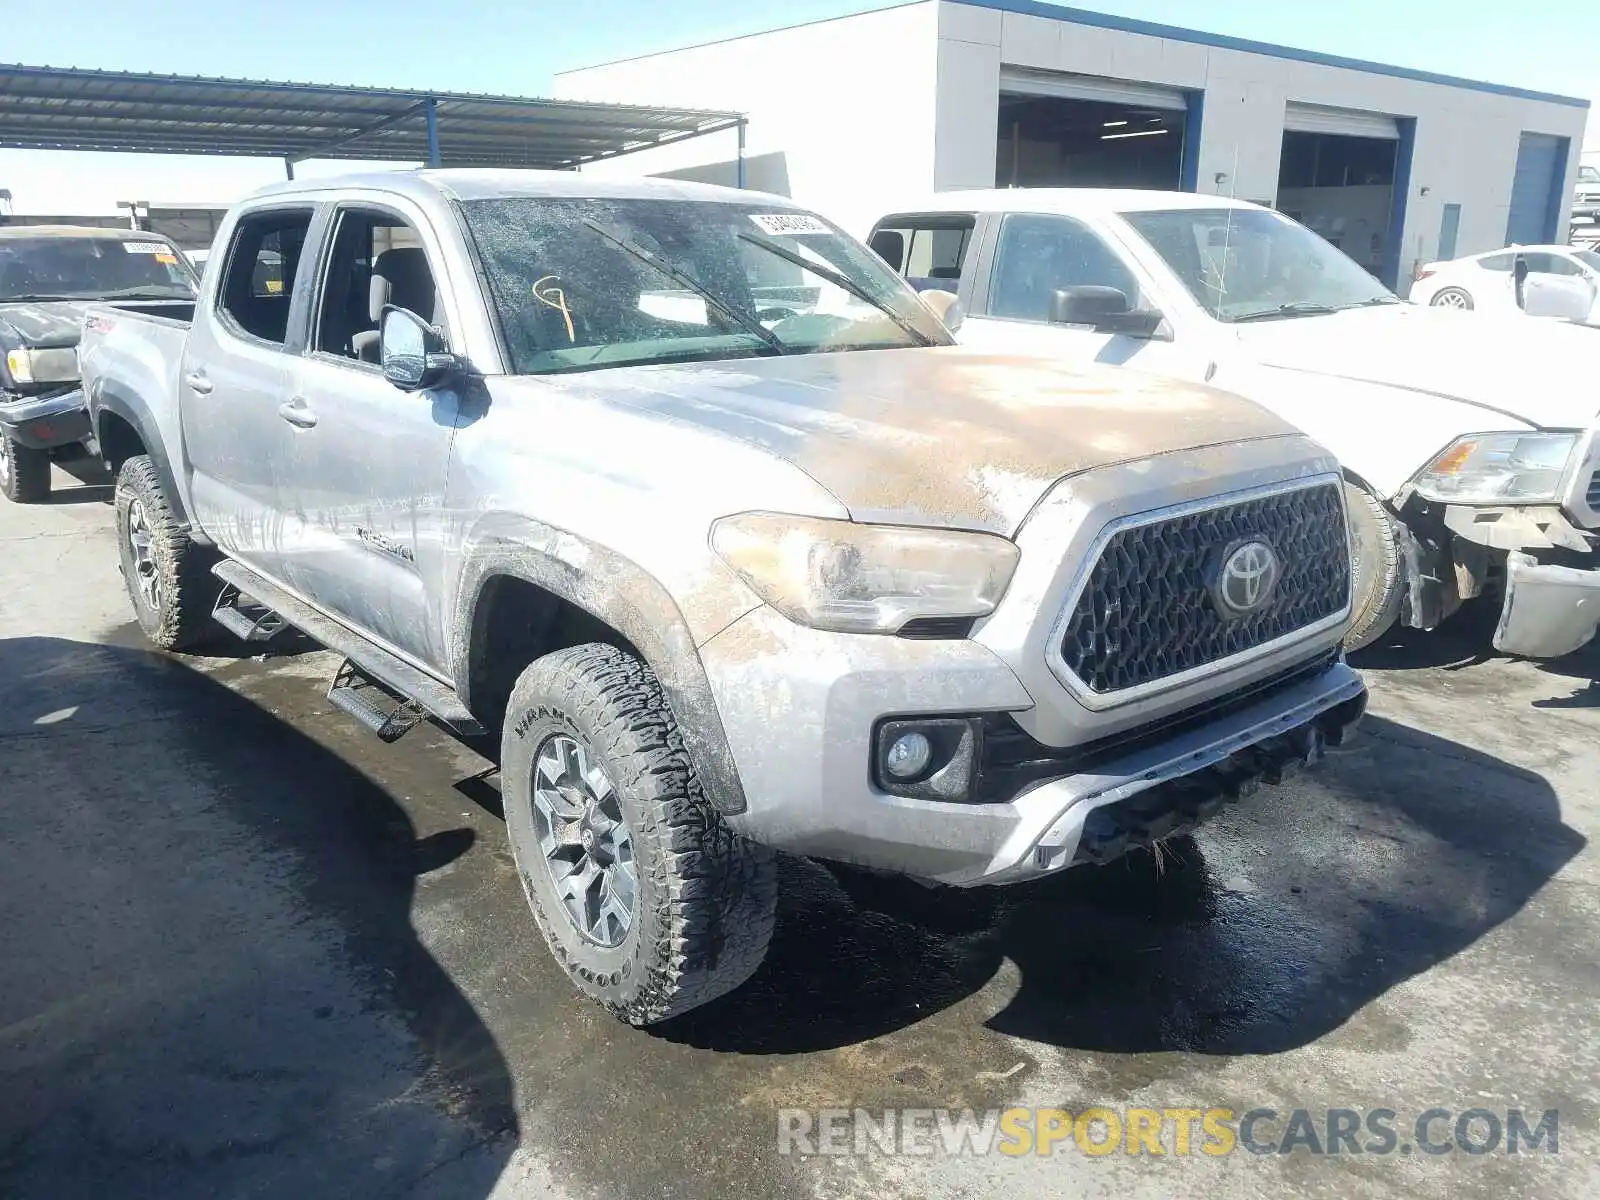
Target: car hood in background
(1533,370)
(44,324)
(949,436)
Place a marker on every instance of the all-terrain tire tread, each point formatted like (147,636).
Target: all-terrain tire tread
(28,479)
(716,892)
(188,588)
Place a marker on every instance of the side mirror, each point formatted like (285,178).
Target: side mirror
(413,354)
(1107,309)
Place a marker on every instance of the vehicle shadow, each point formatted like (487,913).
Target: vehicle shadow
(1466,640)
(1272,928)
(212,985)
(95,483)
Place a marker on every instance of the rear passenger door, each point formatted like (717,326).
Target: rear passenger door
(238,369)
(363,481)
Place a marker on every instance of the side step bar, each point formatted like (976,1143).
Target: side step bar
(369,669)
(246,619)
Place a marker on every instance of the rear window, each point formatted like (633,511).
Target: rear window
(93,268)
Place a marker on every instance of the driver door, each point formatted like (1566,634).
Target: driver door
(1035,255)
(1555,286)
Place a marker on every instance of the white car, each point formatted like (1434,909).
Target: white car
(1539,281)
(1471,448)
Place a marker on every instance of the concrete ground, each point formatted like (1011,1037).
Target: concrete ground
(245,950)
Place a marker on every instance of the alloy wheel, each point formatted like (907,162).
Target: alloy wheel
(586,843)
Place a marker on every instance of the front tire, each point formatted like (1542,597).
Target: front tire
(24,472)
(649,902)
(168,576)
(1375,591)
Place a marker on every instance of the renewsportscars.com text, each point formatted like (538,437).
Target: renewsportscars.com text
(1168,1132)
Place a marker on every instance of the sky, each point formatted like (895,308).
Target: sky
(515,49)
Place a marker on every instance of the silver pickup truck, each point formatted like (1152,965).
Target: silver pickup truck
(688,499)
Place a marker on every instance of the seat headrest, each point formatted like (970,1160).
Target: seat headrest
(401,277)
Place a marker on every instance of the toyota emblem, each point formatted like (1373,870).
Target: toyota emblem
(1246,579)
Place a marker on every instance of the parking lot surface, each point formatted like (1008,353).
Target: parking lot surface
(249,951)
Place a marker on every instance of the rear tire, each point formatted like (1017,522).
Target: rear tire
(1452,297)
(691,918)
(24,472)
(1375,591)
(168,576)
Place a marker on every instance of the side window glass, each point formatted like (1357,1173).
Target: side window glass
(377,260)
(929,252)
(937,253)
(258,283)
(1038,255)
(1496,262)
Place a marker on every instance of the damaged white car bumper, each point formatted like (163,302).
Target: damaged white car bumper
(1549,610)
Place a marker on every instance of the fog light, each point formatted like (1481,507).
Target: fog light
(908,756)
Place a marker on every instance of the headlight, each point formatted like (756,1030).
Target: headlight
(852,578)
(1498,468)
(43,366)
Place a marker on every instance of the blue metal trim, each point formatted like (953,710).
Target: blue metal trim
(1189,171)
(1449,232)
(433,131)
(1395,240)
(1078,16)
(1558,203)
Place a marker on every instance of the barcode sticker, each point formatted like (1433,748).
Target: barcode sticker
(145,248)
(788,224)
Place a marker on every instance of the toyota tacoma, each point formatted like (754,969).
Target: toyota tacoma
(683,496)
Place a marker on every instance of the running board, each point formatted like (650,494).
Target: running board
(246,619)
(368,665)
(389,716)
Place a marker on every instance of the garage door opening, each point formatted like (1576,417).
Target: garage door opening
(1337,176)
(1070,131)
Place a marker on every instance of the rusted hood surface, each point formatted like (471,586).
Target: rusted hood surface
(946,436)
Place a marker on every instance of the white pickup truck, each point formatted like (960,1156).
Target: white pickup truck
(1470,447)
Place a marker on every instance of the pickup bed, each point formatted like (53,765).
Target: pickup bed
(687,500)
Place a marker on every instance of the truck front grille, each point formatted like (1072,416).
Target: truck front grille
(1149,609)
(1592,497)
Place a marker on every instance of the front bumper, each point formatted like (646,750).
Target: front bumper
(799,708)
(44,422)
(1548,610)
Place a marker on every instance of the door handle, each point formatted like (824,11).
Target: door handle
(297,414)
(198,381)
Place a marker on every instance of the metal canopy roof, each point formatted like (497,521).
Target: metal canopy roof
(54,108)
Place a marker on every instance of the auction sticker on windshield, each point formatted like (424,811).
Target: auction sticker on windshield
(788,224)
(145,247)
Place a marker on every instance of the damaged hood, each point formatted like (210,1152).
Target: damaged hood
(941,436)
(1535,370)
(43,324)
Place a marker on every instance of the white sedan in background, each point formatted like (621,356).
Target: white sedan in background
(1539,281)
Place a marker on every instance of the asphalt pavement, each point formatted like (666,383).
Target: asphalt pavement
(248,951)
